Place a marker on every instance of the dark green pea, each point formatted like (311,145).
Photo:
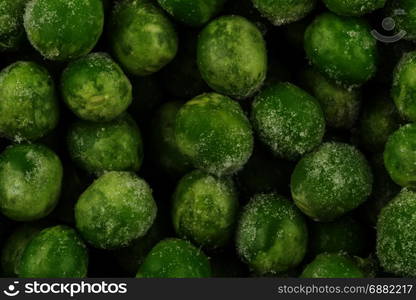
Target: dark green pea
(272,235)
(204,209)
(175,258)
(55,252)
(64,29)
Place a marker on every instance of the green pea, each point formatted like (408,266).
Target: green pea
(213,132)
(142,37)
(64,29)
(399,156)
(114,210)
(165,148)
(341,106)
(30,181)
(231,56)
(55,252)
(288,120)
(403,90)
(280,12)
(332,265)
(331,181)
(15,245)
(109,146)
(396,237)
(192,12)
(378,120)
(354,7)
(204,209)
(95,88)
(175,258)
(342,48)
(404,14)
(272,235)
(28,106)
(12,32)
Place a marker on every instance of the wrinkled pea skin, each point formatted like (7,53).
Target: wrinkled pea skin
(204,209)
(64,29)
(332,265)
(142,38)
(30,177)
(95,88)
(353,7)
(342,48)
(399,155)
(272,234)
(11,24)
(28,106)
(192,12)
(213,132)
(115,209)
(106,146)
(56,252)
(232,57)
(175,258)
(280,12)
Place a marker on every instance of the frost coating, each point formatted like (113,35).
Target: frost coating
(95,88)
(342,48)
(11,24)
(28,104)
(213,132)
(331,181)
(396,235)
(231,56)
(30,177)
(56,252)
(400,155)
(175,258)
(116,209)
(280,12)
(353,7)
(192,12)
(272,234)
(288,120)
(332,265)
(204,209)
(106,146)
(404,86)
(142,37)
(64,29)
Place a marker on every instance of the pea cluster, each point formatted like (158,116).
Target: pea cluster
(207,138)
